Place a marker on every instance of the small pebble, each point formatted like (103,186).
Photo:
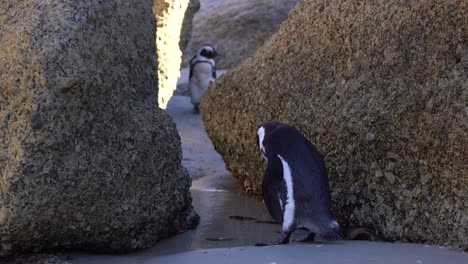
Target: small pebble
(370,137)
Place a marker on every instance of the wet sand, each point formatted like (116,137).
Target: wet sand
(336,253)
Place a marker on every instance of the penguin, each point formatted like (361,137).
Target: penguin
(295,185)
(202,73)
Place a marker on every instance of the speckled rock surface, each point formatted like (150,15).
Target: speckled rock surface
(174,22)
(87,159)
(237,28)
(380,87)
(39,259)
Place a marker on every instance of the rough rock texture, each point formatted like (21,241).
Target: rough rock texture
(87,159)
(187,23)
(381,88)
(174,22)
(237,28)
(38,259)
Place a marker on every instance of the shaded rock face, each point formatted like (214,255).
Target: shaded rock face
(87,159)
(237,28)
(187,23)
(381,89)
(174,22)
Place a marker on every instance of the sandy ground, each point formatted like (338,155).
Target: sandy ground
(222,238)
(350,252)
(340,252)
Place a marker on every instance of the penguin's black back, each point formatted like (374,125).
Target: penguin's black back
(194,62)
(309,175)
(284,145)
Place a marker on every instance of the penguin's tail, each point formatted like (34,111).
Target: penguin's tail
(325,227)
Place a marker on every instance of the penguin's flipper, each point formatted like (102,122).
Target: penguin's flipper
(273,194)
(213,72)
(283,239)
(272,189)
(192,65)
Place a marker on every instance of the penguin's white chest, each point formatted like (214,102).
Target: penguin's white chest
(198,84)
(289,207)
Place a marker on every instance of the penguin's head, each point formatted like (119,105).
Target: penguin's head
(263,132)
(207,51)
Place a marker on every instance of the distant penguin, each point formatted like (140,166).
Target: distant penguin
(202,73)
(295,184)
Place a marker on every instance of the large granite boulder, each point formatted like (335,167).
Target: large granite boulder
(174,22)
(87,159)
(380,87)
(237,28)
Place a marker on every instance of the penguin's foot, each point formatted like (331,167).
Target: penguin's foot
(196,109)
(309,238)
(283,239)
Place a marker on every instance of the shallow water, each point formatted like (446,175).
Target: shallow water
(217,229)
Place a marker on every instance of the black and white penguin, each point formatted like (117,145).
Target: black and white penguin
(295,184)
(202,73)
